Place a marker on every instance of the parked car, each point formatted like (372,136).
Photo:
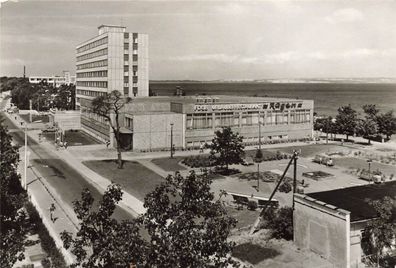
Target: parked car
(248,161)
(324,160)
(374,176)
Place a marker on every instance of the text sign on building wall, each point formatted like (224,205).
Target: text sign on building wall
(247,106)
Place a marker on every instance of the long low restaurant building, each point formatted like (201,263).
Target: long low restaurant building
(152,123)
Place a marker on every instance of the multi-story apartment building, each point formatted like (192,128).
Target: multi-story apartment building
(112,60)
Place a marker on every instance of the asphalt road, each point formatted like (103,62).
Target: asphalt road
(64,178)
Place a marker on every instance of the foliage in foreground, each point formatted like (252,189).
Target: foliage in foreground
(280,222)
(13,224)
(379,234)
(186,226)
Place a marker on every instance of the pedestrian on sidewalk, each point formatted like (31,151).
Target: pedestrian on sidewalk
(65,144)
(107,144)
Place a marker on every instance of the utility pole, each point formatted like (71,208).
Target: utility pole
(259,134)
(171,142)
(295,175)
(30,111)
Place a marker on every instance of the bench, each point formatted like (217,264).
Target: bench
(240,199)
(263,202)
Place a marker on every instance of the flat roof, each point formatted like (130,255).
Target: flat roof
(219,99)
(355,199)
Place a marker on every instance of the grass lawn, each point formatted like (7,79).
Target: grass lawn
(75,138)
(169,164)
(266,153)
(244,216)
(253,253)
(133,177)
(311,149)
(43,118)
(351,162)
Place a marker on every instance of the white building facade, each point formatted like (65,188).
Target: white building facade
(112,60)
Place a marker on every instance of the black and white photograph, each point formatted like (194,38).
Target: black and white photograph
(198,133)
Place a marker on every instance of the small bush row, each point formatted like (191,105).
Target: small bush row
(196,161)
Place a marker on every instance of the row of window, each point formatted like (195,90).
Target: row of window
(134,46)
(134,79)
(93,44)
(134,90)
(90,93)
(85,113)
(134,57)
(202,121)
(92,74)
(94,64)
(102,84)
(92,55)
(134,69)
(135,37)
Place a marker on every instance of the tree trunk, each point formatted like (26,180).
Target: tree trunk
(327,137)
(347,137)
(369,141)
(119,159)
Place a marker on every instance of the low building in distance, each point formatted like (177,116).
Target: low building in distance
(330,223)
(54,80)
(112,60)
(148,123)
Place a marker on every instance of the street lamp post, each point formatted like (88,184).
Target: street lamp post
(171,141)
(369,168)
(25,162)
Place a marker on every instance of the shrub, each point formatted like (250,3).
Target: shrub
(252,205)
(285,187)
(282,224)
(196,161)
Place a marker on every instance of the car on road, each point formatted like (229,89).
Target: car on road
(49,129)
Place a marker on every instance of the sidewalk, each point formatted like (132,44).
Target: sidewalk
(130,203)
(42,197)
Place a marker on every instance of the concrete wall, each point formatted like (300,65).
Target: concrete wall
(143,65)
(322,228)
(153,131)
(115,73)
(67,120)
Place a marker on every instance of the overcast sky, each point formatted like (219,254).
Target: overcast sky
(209,40)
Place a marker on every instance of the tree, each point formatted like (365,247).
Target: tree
(186,225)
(379,234)
(65,97)
(226,148)
(325,125)
(102,241)
(108,105)
(346,120)
(370,110)
(387,124)
(279,221)
(367,128)
(13,224)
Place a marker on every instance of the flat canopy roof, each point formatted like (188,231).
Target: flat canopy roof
(355,199)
